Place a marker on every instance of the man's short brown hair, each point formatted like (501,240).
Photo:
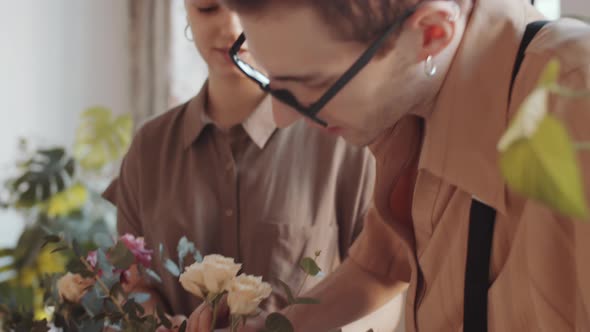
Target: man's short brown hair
(356,20)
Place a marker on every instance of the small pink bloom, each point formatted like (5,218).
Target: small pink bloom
(137,247)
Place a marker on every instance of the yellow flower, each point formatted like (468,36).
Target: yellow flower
(48,263)
(67,201)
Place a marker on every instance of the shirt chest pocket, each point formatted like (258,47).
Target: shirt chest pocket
(273,250)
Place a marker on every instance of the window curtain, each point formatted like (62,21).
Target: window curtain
(149,57)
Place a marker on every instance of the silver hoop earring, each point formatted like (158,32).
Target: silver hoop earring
(186,30)
(429,67)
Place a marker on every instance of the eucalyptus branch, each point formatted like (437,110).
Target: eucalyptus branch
(105,289)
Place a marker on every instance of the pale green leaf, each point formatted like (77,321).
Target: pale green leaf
(172,267)
(550,74)
(140,297)
(102,138)
(544,167)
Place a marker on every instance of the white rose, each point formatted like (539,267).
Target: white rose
(211,276)
(72,287)
(245,294)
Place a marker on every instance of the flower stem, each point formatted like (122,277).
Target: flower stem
(214,320)
(105,289)
(583,146)
(235,321)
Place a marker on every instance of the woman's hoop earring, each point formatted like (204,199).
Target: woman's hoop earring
(429,67)
(186,30)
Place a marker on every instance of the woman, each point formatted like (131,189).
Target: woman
(218,171)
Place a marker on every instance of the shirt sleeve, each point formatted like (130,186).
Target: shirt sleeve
(379,250)
(123,192)
(354,197)
(576,112)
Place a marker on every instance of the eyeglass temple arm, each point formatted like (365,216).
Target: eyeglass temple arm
(364,59)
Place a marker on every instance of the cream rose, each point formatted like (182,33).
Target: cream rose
(245,293)
(72,287)
(210,277)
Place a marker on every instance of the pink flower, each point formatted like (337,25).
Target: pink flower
(92,258)
(137,247)
(142,255)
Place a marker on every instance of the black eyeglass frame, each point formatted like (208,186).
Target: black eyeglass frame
(286,97)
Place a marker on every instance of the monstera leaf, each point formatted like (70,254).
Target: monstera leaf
(101,138)
(45,174)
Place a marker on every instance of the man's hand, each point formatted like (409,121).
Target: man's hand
(201,319)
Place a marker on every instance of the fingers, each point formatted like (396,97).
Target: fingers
(200,319)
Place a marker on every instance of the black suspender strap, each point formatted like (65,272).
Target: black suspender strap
(481,233)
(531,30)
(479,249)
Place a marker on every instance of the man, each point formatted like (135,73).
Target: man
(430,92)
(217,171)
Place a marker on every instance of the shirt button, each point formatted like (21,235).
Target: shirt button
(229,212)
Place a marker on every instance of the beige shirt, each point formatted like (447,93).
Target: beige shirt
(540,272)
(265,196)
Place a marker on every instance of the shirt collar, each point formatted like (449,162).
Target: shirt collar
(259,125)
(471,112)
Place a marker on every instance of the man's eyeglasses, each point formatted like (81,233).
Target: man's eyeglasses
(286,97)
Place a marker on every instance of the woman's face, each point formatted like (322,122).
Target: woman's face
(214,29)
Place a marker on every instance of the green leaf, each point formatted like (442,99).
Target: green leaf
(306,300)
(50,239)
(47,173)
(172,267)
(276,322)
(62,248)
(109,282)
(103,240)
(153,275)
(75,266)
(309,266)
(162,317)
(288,291)
(103,263)
(544,167)
(140,297)
(102,138)
(198,257)
(91,302)
(121,257)
(182,327)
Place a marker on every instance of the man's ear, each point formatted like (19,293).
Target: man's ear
(434,22)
